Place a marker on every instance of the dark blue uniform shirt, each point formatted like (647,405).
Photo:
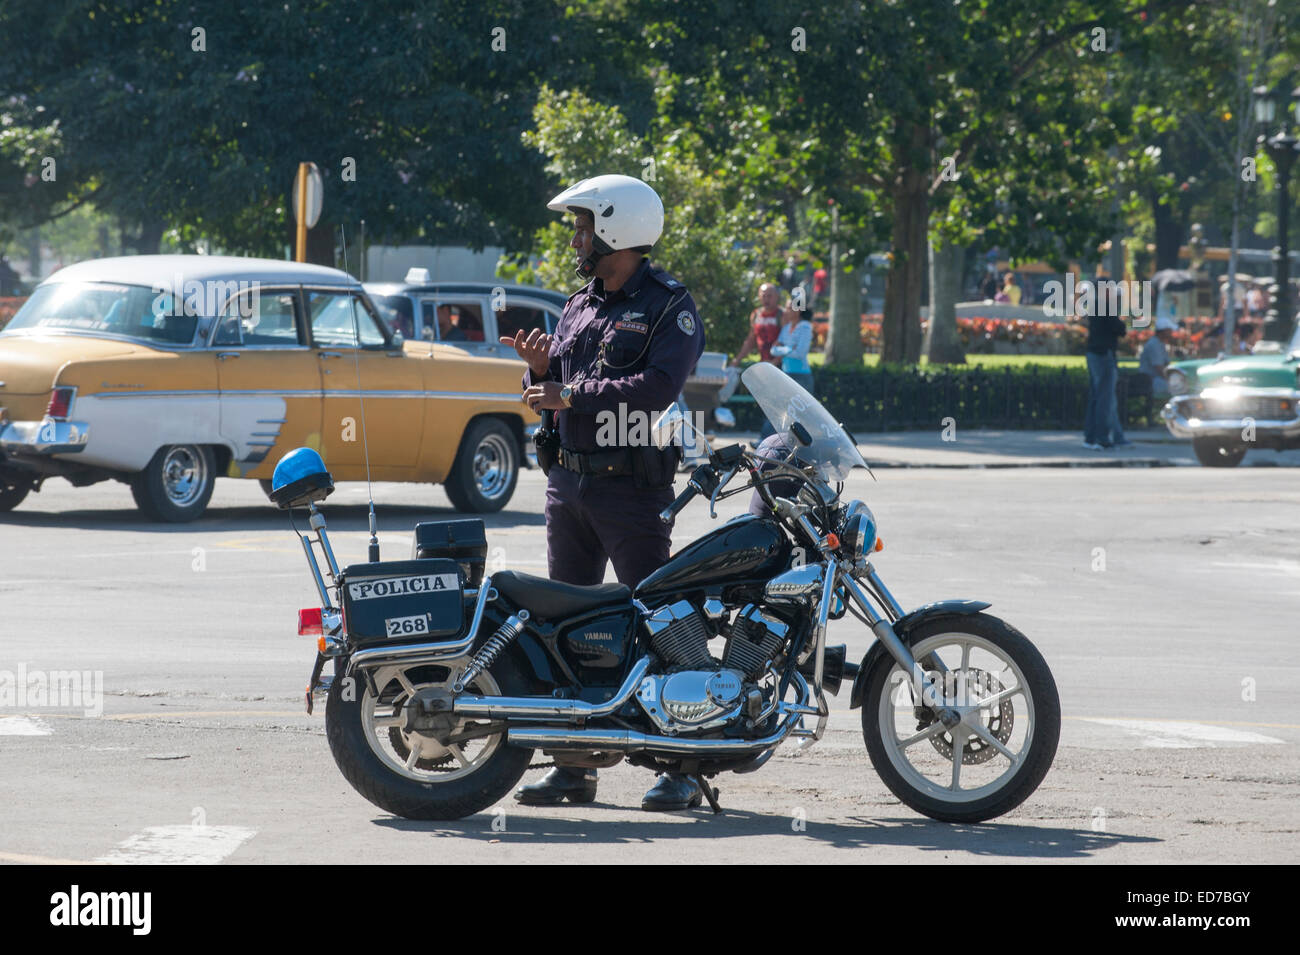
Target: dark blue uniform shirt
(633,347)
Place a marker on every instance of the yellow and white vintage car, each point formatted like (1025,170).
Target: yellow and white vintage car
(168,371)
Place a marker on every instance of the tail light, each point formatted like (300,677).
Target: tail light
(309,623)
(60,403)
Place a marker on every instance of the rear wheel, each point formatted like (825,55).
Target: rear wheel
(12,492)
(410,773)
(177,483)
(994,757)
(486,469)
(1218,453)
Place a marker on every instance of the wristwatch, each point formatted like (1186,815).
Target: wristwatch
(566,396)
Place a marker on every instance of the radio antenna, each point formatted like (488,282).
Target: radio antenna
(361,399)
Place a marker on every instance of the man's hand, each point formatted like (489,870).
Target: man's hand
(534,348)
(544,395)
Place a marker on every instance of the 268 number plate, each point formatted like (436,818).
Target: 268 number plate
(406,626)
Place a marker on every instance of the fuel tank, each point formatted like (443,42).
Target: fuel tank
(745,548)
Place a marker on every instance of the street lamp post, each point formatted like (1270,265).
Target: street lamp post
(1282,148)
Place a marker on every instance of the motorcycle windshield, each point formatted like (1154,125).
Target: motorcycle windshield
(784,402)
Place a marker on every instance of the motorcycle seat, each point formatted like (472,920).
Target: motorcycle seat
(550,599)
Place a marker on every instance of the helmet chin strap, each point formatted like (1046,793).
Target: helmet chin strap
(599,249)
(587,267)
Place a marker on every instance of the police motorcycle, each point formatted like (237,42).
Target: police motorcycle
(446,679)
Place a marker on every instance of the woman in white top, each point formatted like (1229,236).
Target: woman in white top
(791,347)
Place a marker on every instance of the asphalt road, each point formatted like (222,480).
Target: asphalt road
(1164,599)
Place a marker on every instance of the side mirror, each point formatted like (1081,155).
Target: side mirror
(300,478)
(670,423)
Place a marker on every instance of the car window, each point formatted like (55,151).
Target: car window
(397,312)
(517,318)
(335,321)
(466,320)
(132,311)
(261,317)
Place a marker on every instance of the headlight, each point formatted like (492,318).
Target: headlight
(858,531)
(1177,383)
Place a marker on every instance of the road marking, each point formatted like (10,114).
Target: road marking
(25,859)
(1291,568)
(23,726)
(1171,734)
(178,845)
(198,714)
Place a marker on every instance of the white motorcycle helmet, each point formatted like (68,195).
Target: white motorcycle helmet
(628,214)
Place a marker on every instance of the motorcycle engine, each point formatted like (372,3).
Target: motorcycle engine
(699,694)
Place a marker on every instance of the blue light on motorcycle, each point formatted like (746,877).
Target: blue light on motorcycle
(300,478)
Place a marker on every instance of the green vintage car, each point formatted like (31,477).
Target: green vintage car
(1237,403)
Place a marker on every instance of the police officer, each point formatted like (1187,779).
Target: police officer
(620,355)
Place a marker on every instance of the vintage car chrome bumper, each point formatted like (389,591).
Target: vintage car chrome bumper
(1223,412)
(46,436)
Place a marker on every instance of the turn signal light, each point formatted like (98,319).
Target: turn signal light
(60,402)
(833,541)
(320,644)
(880,545)
(309,623)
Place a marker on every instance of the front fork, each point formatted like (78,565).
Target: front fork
(881,626)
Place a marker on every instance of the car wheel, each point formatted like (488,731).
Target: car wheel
(486,468)
(176,485)
(12,493)
(1217,453)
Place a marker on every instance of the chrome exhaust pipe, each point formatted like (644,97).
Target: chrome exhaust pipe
(528,707)
(556,738)
(630,741)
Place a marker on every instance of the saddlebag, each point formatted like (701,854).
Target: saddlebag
(404,600)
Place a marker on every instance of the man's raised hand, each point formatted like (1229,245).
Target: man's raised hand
(533,347)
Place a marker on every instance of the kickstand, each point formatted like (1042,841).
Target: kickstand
(710,793)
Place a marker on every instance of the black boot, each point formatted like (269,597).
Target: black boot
(672,792)
(561,783)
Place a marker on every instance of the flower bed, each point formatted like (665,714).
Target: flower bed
(986,336)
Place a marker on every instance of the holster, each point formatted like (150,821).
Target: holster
(653,468)
(546,440)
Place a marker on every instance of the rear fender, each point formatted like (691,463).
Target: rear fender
(908,622)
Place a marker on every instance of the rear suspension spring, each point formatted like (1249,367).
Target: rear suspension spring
(490,650)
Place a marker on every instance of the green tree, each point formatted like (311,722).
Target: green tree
(715,246)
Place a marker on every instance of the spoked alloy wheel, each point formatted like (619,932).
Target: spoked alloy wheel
(415,755)
(409,772)
(992,758)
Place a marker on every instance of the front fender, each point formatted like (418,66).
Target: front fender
(908,622)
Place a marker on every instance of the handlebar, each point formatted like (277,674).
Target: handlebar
(669,512)
(703,481)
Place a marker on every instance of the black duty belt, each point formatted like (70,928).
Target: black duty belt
(601,463)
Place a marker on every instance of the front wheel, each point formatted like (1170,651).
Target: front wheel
(989,675)
(408,772)
(486,468)
(1218,453)
(176,484)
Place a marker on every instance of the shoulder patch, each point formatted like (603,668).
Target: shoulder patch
(664,279)
(686,321)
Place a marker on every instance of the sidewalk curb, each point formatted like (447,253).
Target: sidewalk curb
(1002,466)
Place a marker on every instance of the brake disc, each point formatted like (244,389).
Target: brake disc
(999,722)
